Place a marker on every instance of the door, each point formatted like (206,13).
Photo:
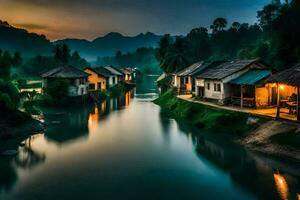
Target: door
(274,96)
(200,92)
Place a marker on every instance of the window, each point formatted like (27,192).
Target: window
(208,86)
(186,80)
(92,86)
(217,87)
(113,80)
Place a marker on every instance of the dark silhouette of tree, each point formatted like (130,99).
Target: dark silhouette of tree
(199,44)
(17,59)
(62,54)
(219,24)
(177,57)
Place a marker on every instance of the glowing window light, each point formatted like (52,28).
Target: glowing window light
(281,87)
(282,186)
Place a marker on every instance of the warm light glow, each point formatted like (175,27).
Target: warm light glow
(298,195)
(282,186)
(281,87)
(94,119)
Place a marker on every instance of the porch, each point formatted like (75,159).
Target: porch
(264,112)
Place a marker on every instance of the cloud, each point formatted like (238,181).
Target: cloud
(31,26)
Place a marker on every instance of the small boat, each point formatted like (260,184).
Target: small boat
(9,153)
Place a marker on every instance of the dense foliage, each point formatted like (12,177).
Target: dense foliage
(62,55)
(275,39)
(142,58)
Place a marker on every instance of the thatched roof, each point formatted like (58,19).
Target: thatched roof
(65,72)
(290,76)
(226,69)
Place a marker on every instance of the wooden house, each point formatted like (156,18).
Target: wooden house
(128,74)
(98,78)
(215,81)
(115,77)
(185,80)
(284,91)
(77,78)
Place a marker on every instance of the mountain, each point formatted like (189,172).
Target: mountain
(29,44)
(32,44)
(109,44)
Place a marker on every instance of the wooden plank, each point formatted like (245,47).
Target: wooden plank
(278,101)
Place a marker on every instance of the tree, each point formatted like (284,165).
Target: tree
(199,44)
(177,57)
(62,54)
(17,59)
(164,46)
(268,14)
(5,65)
(236,26)
(219,24)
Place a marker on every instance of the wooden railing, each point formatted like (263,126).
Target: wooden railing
(247,102)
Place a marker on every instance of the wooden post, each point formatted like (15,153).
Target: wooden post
(278,101)
(242,96)
(297,111)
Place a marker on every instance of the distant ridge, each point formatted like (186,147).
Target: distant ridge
(109,44)
(32,44)
(16,39)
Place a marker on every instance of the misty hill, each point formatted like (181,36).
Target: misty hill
(111,43)
(29,44)
(32,44)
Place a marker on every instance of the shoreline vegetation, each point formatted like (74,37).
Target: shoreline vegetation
(273,137)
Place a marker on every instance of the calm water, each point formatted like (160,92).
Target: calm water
(127,148)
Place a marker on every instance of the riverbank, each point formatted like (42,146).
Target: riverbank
(276,138)
(17,123)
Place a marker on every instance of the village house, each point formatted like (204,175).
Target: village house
(185,80)
(283,88)
(77,78)
(128,74)
(115,77)
(214,83)
(98,78)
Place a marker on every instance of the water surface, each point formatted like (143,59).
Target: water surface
(127,148)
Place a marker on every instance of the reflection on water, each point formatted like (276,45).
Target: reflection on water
(28,157)
(282,186)
(127,148)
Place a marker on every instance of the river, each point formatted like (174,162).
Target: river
(127,148)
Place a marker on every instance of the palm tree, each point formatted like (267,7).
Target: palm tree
(176,58)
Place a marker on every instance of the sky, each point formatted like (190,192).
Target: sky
(88,19)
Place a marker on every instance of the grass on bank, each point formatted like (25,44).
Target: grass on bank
(203,116)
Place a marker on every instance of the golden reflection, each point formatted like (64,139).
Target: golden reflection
(127,98)
(103,107)
(282,186)
(94,119)
(298,195)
